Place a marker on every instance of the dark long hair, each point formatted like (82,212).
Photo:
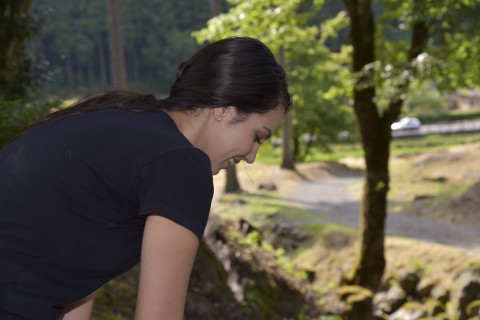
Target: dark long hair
(240,72)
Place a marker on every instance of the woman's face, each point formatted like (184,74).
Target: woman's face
(228,142)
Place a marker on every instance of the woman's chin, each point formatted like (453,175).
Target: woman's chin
(215,171)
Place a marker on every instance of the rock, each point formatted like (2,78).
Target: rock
(239,202)
(259,287)
(245,227)
(441,316)
(439,179)
(473,308)
(390,301)
(267,186)
(465,289)
(434,307)
(346,291)
(440,293)
(311,275)
(209,296)
(425,287)
(409,311)
(284,234)
(359,303)
(408,281)
(422,197)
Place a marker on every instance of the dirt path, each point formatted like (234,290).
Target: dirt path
(331,198)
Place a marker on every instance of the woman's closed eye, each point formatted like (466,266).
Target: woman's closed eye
(259,139)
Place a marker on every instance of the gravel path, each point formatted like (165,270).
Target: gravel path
(331,199)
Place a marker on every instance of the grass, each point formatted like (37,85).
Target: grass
(255,207)
(428,183)
(399,146)
(432,142)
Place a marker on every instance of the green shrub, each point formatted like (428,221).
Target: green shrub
(16,115)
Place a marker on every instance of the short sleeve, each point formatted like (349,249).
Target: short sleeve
(178,185)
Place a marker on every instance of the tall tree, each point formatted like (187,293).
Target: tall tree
(117,59)
(375,141)
(232,184)
(383,71)
(216,7)
(16,27)
(288,160)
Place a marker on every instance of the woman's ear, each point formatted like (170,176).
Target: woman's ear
(220,112)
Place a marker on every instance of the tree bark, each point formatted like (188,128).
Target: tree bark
(216,7)
(117,55)
(288,161)
(15,29)
(135,66)
(375,135)
(102,60)
(232,185)
(69,72)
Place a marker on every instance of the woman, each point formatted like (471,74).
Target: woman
(120,178)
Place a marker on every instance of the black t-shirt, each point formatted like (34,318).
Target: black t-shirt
(74,195)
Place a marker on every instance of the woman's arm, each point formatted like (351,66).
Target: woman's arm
(79,310)
(168,253)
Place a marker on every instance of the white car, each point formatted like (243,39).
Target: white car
(406,124)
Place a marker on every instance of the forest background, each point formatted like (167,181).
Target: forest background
(68,56)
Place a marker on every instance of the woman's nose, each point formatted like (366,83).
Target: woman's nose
(250,158)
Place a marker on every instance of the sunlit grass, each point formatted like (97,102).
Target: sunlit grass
(255,207)
(429,182)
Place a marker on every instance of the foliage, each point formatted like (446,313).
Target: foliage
(16,27)
(74,42)
(402,147)
(116,299)
(423,99)
(317,81)
(458,115)
(451,56)
(16,115)
(254,238)
(276,22)
(317,76)
(455,43)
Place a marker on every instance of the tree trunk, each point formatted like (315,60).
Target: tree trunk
(102,61)
(231,184)
(376,137)
(15,29)
(287,155)
(91,72)
(135,67)
(44,59)
(216,7)
(117,55)
(69,72)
